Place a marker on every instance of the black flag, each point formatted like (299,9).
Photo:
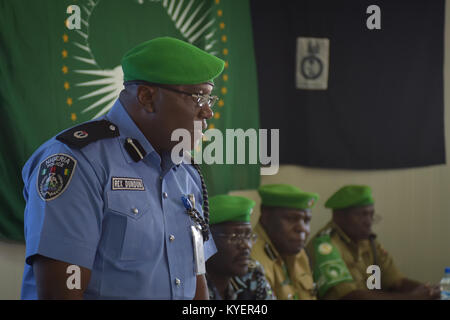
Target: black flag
(352,85)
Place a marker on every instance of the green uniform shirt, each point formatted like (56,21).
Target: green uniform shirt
(290,278)
(357,257)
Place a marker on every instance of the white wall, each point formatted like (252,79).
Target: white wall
(12,257)
(414,204)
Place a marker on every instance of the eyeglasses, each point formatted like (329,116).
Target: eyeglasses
(233,238)
(199,98)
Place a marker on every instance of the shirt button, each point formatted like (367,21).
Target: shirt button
(165,195)
(177,282)
(135,210)
(172,237)
(112,128)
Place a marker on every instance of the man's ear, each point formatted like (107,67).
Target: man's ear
(145,96)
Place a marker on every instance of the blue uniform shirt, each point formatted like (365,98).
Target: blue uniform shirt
(123,220)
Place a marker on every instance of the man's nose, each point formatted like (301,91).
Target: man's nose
(302,228)
(245,244)
(206,112)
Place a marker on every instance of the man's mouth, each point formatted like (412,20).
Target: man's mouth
(242,259)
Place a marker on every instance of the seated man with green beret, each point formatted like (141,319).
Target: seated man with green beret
(342,251)
(282,232)
(231,274)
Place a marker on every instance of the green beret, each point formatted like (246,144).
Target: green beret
(283,195)
(350,196)
(170,61)
(224,208)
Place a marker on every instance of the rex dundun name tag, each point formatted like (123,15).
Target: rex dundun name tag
(122,183)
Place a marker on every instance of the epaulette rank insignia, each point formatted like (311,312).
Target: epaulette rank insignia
(86,133)
(135,150)
(268,250)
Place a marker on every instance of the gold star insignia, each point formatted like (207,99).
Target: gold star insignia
(222,25)
(65,69)
(211,126)
(216,115)
(225,51)
(66,85)
(225,77)
(220,103)
(65,38)
(224,38)
(69,101)
(224,90)
(64,53)
(226,64)
(73,117)
(219,13)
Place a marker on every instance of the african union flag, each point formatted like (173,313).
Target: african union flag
(54,77)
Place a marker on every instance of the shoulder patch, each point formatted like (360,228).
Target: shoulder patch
(86,133)
(329,269)
(54,175)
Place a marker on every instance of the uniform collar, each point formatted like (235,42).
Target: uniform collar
(342,234)
(269,248)
(128,129)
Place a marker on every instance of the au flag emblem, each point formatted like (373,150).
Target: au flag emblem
(312,63)
(55,174)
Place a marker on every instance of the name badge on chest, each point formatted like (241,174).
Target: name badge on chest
(199,254)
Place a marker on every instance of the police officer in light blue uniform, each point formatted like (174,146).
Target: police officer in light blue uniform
(107,198)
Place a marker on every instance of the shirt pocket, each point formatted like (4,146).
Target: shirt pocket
(307,283)
(136,208)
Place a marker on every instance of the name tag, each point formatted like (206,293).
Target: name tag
(118,183)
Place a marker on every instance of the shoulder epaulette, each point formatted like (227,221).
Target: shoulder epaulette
(327,231)
(268,250)
(86,133)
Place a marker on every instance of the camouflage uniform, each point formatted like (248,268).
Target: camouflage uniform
(251,286)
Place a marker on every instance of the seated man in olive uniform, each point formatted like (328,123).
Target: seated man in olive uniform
(282,232)
(342,251)
(230,273)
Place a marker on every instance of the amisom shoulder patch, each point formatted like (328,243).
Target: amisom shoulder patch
(54,175)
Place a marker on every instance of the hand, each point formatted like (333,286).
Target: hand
(434,290)
(425,292)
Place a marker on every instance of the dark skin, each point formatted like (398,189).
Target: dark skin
(231,259)
(156,112)
(357,224)
(287,228)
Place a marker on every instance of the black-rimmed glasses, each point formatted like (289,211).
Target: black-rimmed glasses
(233,238)
(200,98)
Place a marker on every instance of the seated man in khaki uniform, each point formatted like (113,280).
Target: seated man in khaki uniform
(342,251)
(282,232)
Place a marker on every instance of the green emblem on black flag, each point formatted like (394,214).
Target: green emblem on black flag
(329,269)
(55,173)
